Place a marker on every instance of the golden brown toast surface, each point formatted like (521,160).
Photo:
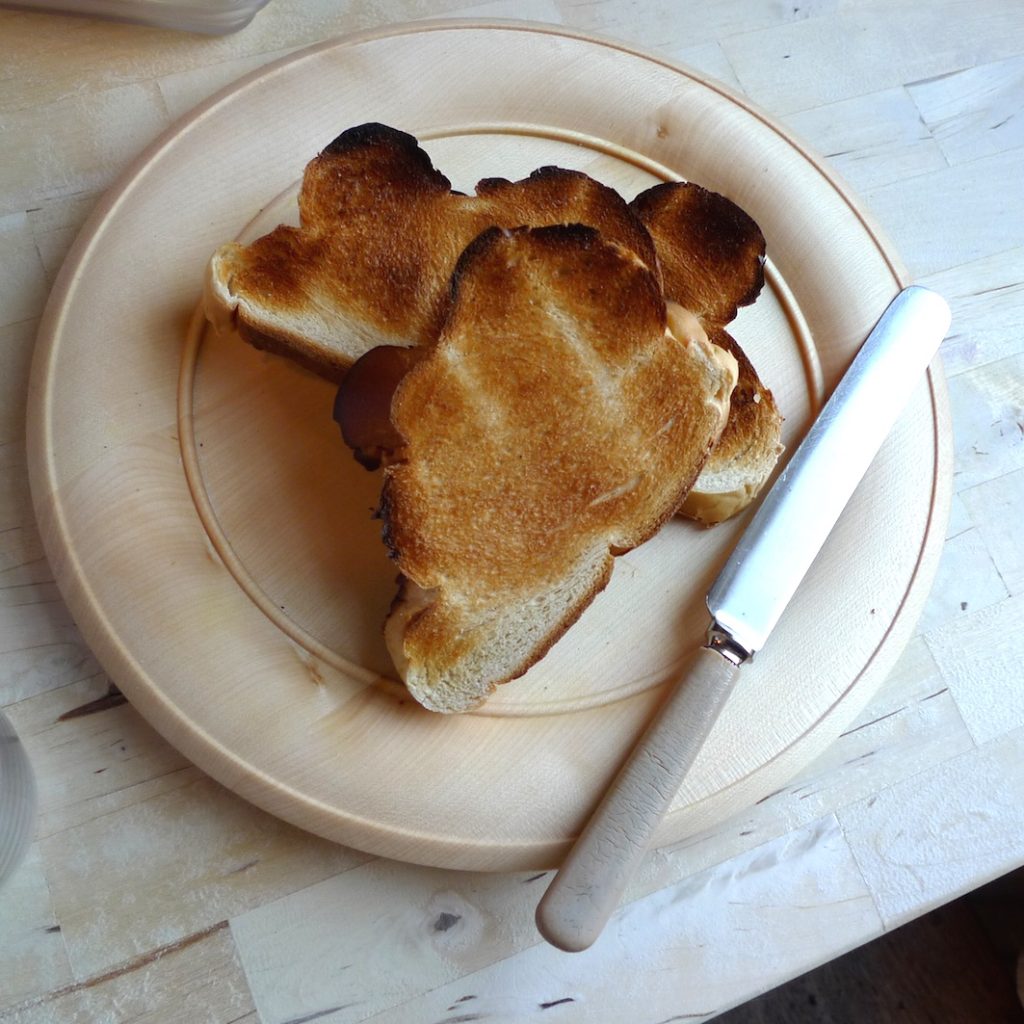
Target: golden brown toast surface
(380,233)
(555,423)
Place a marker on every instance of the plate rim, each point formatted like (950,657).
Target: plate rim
(93,621)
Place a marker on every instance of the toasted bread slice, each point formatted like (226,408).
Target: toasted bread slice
(381,230)
(712,262)
(380,233)
(746,454)
(556,423)
(712,258)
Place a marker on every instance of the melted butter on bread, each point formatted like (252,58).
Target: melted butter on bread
(409,602)
(686,328)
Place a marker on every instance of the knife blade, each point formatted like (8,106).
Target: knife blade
(745,602)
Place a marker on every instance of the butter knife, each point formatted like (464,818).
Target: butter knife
(745,602)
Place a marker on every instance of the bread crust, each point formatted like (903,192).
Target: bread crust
(549,420)
(712,253)
(747,452)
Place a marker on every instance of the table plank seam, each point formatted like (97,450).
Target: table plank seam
(126,967)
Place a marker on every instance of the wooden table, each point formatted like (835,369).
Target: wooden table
(151,892)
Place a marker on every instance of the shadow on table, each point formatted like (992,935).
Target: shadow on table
(956,964)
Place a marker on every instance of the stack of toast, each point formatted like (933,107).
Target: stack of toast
(541,368)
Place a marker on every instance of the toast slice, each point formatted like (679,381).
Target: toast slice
(380,233)
(381,229)
(556,423)
(712,257)
(712,263)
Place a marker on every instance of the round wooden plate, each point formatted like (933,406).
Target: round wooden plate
(214,538)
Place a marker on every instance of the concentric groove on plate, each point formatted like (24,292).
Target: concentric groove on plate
(256,780)
(235,564)
(211,523)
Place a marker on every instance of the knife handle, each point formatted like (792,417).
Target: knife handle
(589,885)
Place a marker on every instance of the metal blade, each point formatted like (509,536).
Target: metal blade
(783,538)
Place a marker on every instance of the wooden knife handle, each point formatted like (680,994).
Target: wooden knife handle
(591,881)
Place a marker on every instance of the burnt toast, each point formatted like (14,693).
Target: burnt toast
(712,263)
(381,229)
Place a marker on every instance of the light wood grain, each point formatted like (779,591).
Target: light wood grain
(871,140)
(911,839)
(994,506)
(989,407)
(967,579)
(155,872)
(898,44)
(676,952)
(835,72)
(94,754)
(93,135)
(975,652)
(911,726)
(974,112)
(954,215)
(444,925)
(23,286)
(94,57)
(322,743)
(197,980)
(647,24)
(41,647)
(989,321)
(33,959)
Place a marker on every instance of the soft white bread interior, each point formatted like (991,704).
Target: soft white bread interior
(748,451)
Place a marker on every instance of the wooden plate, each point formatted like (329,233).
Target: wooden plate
(214,540)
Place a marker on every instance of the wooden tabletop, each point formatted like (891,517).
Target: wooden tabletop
(151,892)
